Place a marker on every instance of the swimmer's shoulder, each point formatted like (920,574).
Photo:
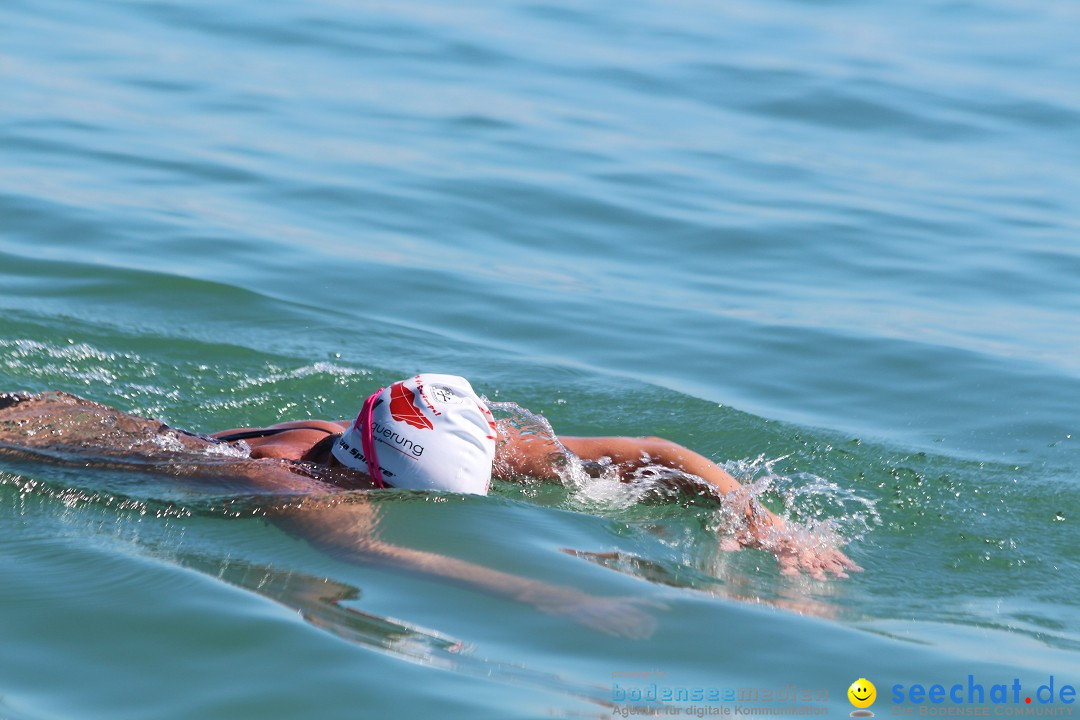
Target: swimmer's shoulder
(321,427)
(292,440)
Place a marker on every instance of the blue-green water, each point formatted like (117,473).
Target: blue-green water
(836,242)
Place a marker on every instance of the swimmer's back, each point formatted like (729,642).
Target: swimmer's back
(60,427)
(64,422)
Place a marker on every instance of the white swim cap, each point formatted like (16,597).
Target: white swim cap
(430,432)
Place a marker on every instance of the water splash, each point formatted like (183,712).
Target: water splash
(527,427)
(818,512)
(173,441)
(816,503)
(150,388)
(75,362)
(593,486)
(76,499)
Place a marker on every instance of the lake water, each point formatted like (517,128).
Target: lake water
(831,245)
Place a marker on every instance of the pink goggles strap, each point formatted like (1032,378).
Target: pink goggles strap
(367,439)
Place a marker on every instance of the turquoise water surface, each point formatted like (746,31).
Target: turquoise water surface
(832,246)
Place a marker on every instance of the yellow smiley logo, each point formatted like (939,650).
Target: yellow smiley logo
(862,693)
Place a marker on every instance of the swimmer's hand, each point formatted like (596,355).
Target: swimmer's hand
(797,549)
(819,562)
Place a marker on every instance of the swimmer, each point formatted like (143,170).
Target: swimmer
(429,432)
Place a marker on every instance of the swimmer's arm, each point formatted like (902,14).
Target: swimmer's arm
(633,453)
(331,426)
(531,456)
(628,454)
(293,445)
(349,531)
(763,529)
